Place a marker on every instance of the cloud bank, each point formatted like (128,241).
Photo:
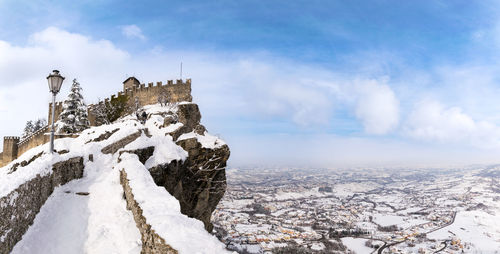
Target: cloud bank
(258,101)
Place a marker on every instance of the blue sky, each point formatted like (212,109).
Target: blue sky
(302,83)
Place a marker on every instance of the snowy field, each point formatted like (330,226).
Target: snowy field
(481,229)
(347,189)
(357,245)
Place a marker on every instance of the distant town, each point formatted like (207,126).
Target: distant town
(405,210)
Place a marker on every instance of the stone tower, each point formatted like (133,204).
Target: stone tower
(10,147)
(130,83)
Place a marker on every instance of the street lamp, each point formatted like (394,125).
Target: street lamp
(55,82)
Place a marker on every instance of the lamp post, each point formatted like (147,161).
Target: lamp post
(55,82)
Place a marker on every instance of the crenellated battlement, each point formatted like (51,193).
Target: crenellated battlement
(58,104)
(35,134)
(142,86)
(11,138)
(10,147)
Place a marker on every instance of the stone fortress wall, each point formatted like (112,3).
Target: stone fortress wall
(10,150)
(177,91)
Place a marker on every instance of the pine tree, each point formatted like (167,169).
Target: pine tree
(39,124)
(28,129)
(32,127)
(74,117)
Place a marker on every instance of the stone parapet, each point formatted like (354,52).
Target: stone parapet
(151,241)
(20,207)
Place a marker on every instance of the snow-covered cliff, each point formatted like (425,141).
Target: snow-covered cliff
(137,185)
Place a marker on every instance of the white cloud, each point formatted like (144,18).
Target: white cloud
(236,89)
(133,31)
(23,72)
(432,121)
(377,106)
(235,86)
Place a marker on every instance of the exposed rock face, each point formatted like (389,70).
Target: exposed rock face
(143,154)
(103,136)
(24,163)
(151,241)
(113,148)
(199,182)
(19,208)
(189,115)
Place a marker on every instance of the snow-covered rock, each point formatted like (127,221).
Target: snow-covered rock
(168,167)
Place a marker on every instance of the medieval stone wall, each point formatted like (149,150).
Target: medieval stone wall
(20,207)
(16,148)
(58,111)
(151,241)
(177,91)
(10,150)
(36,139)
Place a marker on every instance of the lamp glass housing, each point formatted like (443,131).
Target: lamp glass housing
(55,81)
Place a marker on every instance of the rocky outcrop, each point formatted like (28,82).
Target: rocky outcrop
(143,153)
(103,136)
(199,182)
(151,241)
(189,115)
(24,163)
(19,208)
(113,148)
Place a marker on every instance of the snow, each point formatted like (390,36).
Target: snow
(280,195)
(357,245)
(42,167)
(13,198)
(110,225)
(165,150)
(100,222)
(97,223)
(387,219)
(317,246)
(477,227)
(410,210)
(5,235)
(206,140)
(252,248)
(73,118)
(67,232)
(162,212)
(248,228)
(348,189)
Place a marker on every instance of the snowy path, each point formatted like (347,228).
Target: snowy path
(98,223)
(65,234)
